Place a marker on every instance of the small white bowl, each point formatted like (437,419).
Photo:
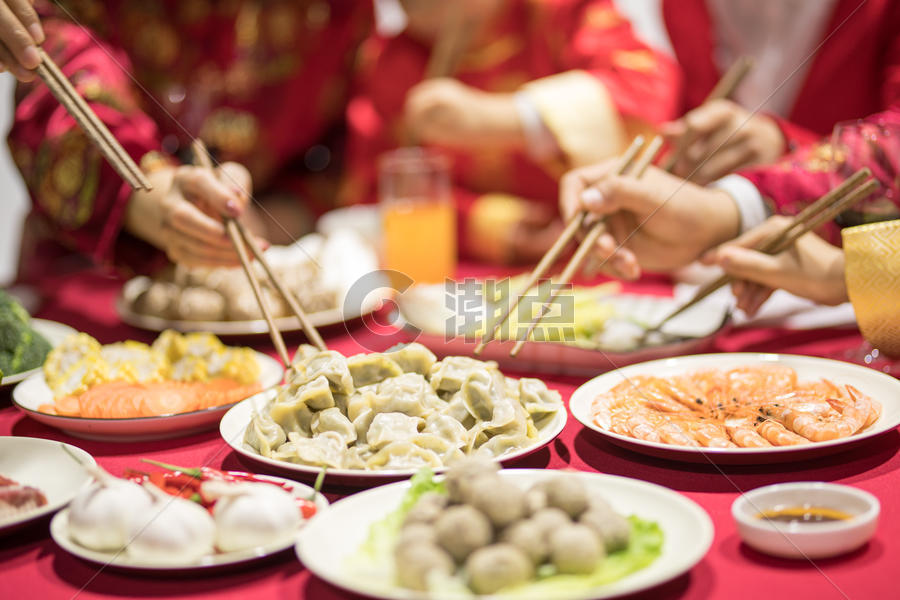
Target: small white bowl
(806,540)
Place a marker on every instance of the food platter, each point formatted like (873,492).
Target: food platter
(334,316)
(59,531)
(33,392)
(54,333)
(327,544)
(423,314)
(45,465)
(234,424)
(883,388)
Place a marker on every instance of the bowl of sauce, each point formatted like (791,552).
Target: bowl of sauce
(806,519)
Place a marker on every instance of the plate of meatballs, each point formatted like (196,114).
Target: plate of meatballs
(478,531)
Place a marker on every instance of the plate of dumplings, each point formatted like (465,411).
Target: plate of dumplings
(383,416)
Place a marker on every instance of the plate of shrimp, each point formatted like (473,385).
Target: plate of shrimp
(739,408)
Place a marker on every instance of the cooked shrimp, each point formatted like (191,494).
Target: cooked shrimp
(744,434)
(635,424)
(709,434)
(778,435)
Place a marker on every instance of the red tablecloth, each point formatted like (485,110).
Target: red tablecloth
(31,565)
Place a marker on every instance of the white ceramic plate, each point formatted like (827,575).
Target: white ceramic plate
(423,314)
(236,420)
(134,287)
(42,464)
(327,542)
(33,392)
(883,388)
(54,333)
(59,531)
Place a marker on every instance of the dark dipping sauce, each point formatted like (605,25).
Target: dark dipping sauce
(804,514)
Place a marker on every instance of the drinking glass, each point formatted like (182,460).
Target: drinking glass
(418,215)
(871,238)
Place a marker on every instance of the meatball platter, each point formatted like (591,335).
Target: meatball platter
(477,531)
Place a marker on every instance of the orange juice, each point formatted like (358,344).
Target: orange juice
(420,238)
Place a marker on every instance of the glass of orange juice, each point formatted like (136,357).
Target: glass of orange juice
(418,215)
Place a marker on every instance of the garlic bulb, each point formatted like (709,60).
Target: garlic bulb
(100,513)
(173,530)
(251,514)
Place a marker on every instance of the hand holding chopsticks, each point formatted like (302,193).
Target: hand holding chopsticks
(239,237)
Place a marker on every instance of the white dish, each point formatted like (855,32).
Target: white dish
(236,420)
(54,333)
(33,392)
(327,542)
(806,540)
(334,316)
(59,531)
(883,388)
(42,464)
(424,312)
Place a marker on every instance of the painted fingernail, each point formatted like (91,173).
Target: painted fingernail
(37,33)
(232,207)
(591,196)
(30,58)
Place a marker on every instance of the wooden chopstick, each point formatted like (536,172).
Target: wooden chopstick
(309,329)
(202,158)
(723,89)
(587,244)
(823,210)
(63,90)
(555,251)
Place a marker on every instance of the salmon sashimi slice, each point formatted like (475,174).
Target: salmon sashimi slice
(123,400)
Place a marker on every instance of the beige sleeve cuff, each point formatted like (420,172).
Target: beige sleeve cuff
(580,113)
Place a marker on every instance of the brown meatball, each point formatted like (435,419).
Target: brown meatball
(416,533)
(415,562)
(464,473)
(575,550)
(461,530)
(501,501)
(427,509)
(528,536)
(566,493)
(550,519)
(498,566)
(611,528)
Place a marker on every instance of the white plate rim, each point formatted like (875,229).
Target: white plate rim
(582,398)
(59,533)
(269,367)
(234,437)
(701,540)
(49,329)
(50,507)
(323,318)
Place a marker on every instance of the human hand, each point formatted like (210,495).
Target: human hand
(658,223)
(182,215)
(811,268)
(448,113)
(721,137)
(20,32)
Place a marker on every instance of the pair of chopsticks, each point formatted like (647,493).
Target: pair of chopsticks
(724,88)
(63,90)
(239,236)
(851,191)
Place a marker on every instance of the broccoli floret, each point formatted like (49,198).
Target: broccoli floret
(9,307)
(21,347)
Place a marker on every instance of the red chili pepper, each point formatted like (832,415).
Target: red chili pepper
(307,508)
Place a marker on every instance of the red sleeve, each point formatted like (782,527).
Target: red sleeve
(72,187)
(802,176)
(643,83)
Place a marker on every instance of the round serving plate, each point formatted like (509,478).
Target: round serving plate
(45,465)
(878,386)
(327,545)
(235,422)
(423,315)
(133,288)
(54,333)
(30,394)
(59,531)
